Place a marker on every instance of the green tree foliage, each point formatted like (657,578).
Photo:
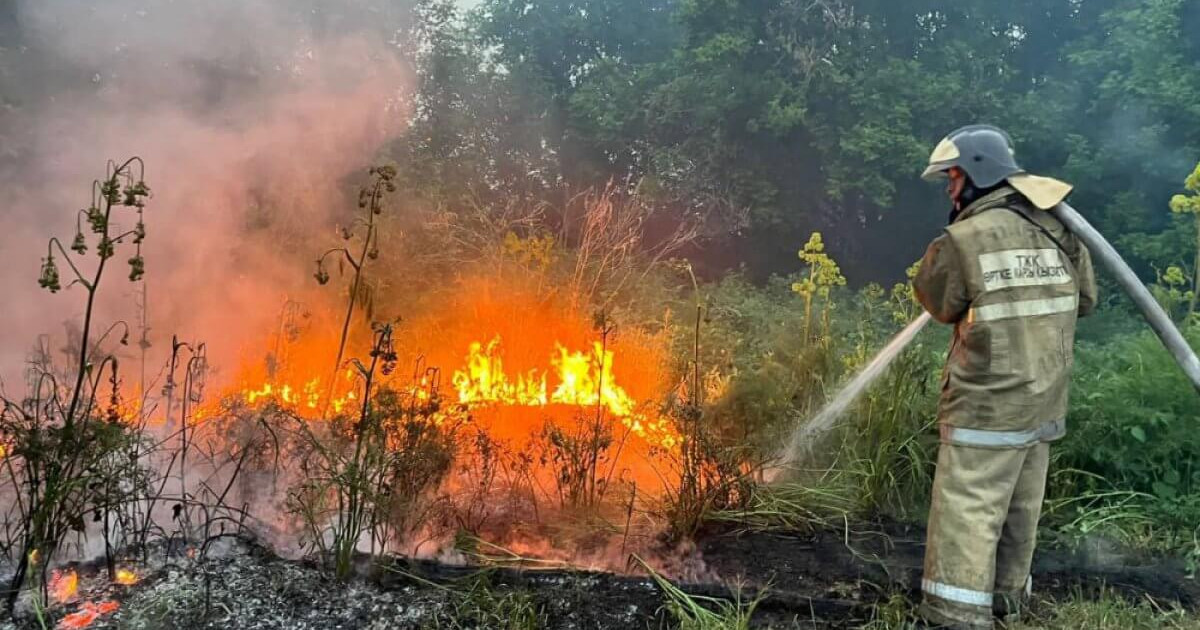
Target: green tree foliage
(1138,129)
(751,110)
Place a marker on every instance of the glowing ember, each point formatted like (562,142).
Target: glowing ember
(126,577)
(87,614)
(63,585)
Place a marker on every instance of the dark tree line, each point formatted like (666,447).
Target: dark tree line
(773,118)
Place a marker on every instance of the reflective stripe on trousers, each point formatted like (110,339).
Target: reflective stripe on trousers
(966,595)
(963,436)
(957,594)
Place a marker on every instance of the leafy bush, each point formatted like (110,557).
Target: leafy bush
(779,373)
(770,369)
(1132,425)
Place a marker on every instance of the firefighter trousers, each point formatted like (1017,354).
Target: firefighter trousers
(982,532)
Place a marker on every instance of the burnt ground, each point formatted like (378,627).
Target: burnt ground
(826,580)
(858,569)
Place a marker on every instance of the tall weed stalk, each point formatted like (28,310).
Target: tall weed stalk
(60,441)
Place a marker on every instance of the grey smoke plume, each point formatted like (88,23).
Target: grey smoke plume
(251,115)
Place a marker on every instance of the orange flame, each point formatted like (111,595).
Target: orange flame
(506,349)
(583,380)
(126,577)
(87,614)
(585,384)
(484,380)
(308,396)
(63,585)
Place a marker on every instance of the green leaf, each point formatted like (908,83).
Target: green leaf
(1165,491)
(1138,434)
(1172,477)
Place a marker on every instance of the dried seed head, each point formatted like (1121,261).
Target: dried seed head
(321,275)
(111,190)
(137,268)
(49,278)
(96,220)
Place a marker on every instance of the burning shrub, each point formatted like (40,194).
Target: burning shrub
(713,470)
(482,463)
(714,474)
(422,441)
(366,474)
(576,454)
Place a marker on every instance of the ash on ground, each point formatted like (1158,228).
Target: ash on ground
(249,587)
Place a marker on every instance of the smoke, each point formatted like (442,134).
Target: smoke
(1139,140)
(253,117)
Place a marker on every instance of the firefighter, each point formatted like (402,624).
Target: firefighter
(1012,281)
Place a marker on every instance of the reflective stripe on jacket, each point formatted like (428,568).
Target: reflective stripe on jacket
(1012,280)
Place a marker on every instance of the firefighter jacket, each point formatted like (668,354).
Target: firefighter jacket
(1012,280)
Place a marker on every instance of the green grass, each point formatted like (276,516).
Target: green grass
(476,604)
(897,613)
(694,612)
(822,501)
(1109,611)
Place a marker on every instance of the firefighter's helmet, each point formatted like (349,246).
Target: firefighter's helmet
(983,152)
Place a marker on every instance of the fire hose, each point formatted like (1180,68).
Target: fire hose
(1158,319)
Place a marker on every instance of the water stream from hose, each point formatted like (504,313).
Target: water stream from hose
(806,433)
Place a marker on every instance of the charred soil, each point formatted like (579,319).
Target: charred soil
(814,580)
